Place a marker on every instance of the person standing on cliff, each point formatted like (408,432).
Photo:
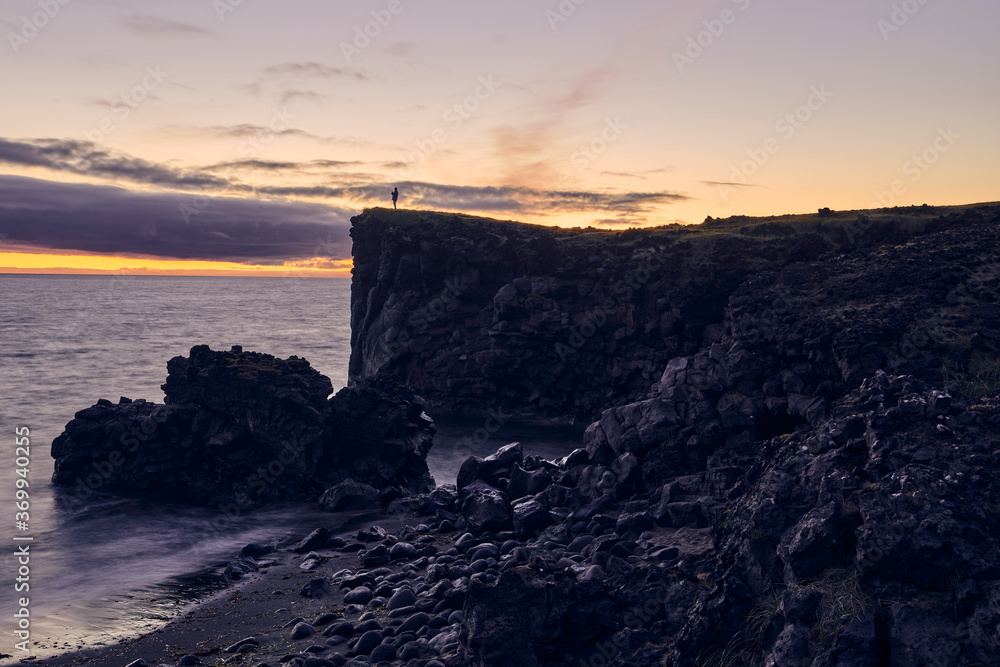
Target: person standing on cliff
(395,196)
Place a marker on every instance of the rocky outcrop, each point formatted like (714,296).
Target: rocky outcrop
(246,427)
(538,321)
(799,339)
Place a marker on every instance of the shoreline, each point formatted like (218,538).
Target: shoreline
(204,627)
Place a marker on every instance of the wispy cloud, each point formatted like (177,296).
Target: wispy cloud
(290,96)
(314,69)
(729,184)
(153,25)
(244,130)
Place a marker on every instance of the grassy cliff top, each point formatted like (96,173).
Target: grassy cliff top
(836,227)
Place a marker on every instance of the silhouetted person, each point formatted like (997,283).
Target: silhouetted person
(395,196)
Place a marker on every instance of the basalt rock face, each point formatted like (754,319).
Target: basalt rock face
(869,539)
(381,436)
(246,427)
(475,313)
(798,339)
(537,321)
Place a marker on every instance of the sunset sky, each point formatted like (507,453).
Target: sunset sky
(231,137)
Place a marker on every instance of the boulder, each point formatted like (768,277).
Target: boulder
(531,515)
(486,509)
(349,495)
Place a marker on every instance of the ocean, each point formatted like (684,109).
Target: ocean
(113,568)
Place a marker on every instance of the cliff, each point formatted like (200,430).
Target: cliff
(477,314)
(811,478)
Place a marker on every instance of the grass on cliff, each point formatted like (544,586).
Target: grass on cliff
(979,377)
(837,228)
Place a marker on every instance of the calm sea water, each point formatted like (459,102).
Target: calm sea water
(101,571)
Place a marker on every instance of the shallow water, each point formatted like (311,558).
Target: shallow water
(103,570)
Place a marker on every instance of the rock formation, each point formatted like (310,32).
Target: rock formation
(246,427)
(475,314)
(814,484)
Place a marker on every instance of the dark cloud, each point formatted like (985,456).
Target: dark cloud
(84,157)
(153,25)
(89,218)
(273,165)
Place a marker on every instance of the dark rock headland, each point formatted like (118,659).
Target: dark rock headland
(246,427)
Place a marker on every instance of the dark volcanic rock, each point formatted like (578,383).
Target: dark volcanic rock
(486,509)
(239,428)
(381,436)
(478,314)
(349,495)
(817,507)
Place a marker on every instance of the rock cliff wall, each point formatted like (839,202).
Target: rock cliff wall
(477,314)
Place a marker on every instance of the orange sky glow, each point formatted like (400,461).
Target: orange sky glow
(42,263)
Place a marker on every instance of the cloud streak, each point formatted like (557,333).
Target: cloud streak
(153,25)
(86,158)
(314,69)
